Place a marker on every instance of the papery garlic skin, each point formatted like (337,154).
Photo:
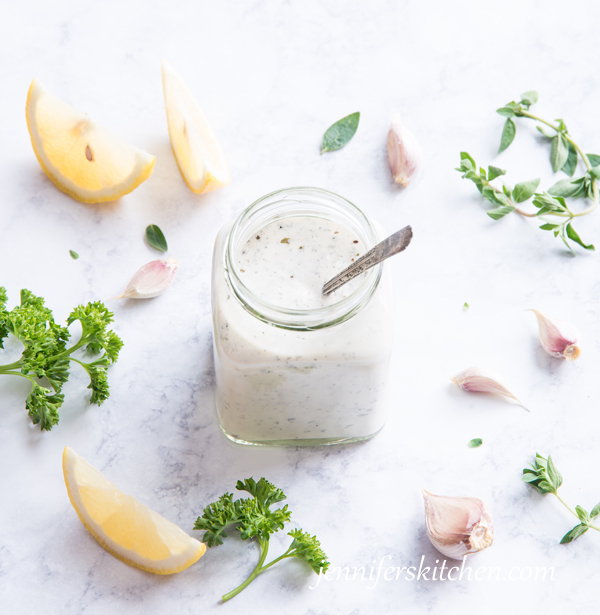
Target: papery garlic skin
(458,527)
(151,280)
(404,152)
(559,338)
(480,380)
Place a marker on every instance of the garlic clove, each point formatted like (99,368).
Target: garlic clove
(479,380)
(404,152)
(151,280)
(559,338)
(458,527)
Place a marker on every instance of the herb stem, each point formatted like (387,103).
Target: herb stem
(9,366)
(264,545)
(565,504)
(585,159)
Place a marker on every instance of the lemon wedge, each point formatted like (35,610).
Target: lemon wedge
(129,530)
(81,158)
(195,147)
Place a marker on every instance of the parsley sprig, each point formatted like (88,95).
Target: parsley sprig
(46,357)
(552,207)
(255,519)
(544,476)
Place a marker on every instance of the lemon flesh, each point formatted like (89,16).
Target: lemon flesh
(195,147)
(129,530)
(83,159)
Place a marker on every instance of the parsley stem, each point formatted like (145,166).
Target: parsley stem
(9,366)
(264,545)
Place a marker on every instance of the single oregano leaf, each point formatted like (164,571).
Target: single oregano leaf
(595,511)
(559,152)
(571,164)
(529,98)
(575,533)
(594,159)
(564,188)
(73,254)
(573,236)
(475,442)
(494,172)
(506,112)
(155,238)
(340,133)
(508,134)
(546,132)
(500,212)
(525,190)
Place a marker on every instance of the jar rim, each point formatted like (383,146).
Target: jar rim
(292,318)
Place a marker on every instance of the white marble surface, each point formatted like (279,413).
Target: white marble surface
(271,77)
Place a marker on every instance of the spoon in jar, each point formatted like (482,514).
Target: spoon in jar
(388,247)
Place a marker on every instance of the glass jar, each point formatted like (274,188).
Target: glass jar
(292,377)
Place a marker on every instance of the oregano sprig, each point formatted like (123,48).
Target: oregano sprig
(544,477)
(552,207)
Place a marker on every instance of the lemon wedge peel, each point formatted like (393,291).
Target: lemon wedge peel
(126,528)
(197,152)
(82,158)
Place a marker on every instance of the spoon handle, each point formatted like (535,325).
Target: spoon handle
(388,247)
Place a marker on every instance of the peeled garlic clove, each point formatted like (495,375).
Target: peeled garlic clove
(559,338)
(404,152)
(458,526)
(478,380)
(151,280)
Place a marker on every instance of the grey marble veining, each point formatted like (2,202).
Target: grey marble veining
(271,77)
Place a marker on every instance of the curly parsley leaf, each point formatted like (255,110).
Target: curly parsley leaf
(254,519)
(46,356)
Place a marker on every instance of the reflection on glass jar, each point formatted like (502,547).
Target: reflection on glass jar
(293,367)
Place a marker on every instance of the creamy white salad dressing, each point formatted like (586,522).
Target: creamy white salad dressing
(276,385)
(287,262)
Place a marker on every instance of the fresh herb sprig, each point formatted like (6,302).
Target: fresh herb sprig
(254,519)
(552,207)
(544,476)
(46,357)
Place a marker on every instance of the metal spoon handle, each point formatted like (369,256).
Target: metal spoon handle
(388,247)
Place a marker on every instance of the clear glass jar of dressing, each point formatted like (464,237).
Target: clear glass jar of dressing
(293,367)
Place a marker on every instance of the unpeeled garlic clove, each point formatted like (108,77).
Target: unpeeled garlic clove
(150,280)
(479,380)
(559,338)
(404,152)
(458,527)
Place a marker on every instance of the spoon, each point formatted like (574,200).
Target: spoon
(388,247)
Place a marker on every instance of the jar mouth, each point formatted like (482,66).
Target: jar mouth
(305,202)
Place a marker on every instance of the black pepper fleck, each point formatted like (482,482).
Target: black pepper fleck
(355,241)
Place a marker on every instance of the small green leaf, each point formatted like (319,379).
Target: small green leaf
(546,132)
(595,511)
(73,254)
(155,238)
(338,134)
(559,152)
(475,442)
(573,236)
(529,98)
(595,172)
(571,164)
(494,172)
(508,134)
(583,514)
(466,306)
(500,212)
(594,159)
(506,112)
(575,533)
(564,188)
(524,191)
(549,227)
(553,474)
(507,191)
